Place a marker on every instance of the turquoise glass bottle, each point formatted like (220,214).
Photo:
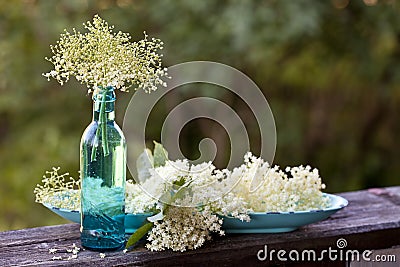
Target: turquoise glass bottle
(103,174)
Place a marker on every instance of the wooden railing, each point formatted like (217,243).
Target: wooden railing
(370,222)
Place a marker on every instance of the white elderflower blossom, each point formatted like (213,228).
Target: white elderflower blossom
(72,257)
(202,185)
(188,196)
(278,192)
(75,249)
(183,228)
(137,200)
(57,191)
(102,58)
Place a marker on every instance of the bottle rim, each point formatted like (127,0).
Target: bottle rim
(108,91)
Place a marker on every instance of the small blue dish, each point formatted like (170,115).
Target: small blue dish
(70,215)
(132,221)
(280,222)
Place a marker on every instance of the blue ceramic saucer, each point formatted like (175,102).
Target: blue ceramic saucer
(279,222)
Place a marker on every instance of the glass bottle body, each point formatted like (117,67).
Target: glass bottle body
(103,172)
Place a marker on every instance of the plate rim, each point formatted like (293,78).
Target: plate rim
(342,203)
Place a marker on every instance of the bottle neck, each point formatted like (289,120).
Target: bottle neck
(104,104)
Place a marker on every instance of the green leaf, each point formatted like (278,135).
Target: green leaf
(180,182)
(140,232)
(160,155)
(143,164)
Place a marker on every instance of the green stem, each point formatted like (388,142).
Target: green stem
(103,125)
(94,148)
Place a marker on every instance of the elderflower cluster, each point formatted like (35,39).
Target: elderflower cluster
(144,197)
(102,58)
(269,189)
(183,228)
(136,200)
(181,184)
(57,191)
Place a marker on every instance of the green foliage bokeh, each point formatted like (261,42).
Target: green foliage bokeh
(329,69)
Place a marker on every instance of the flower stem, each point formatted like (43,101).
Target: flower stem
(103,126)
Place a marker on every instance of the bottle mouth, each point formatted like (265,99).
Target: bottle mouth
(104,94)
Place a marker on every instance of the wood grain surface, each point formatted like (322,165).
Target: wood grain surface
(370,221)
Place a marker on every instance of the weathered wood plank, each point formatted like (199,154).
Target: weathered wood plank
(371,221)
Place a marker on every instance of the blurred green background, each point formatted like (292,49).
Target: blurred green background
(329,69)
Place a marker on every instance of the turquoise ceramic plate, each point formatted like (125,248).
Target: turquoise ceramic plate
(132,221)
(279,222)
(270,222)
